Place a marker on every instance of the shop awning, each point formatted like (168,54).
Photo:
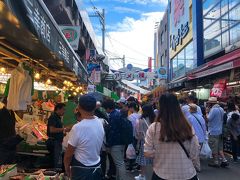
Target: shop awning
(226,62)
(178,83)
(33,30)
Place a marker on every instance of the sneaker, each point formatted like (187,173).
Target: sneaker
(224,164)
(214,164)
(140,177)
(130,169)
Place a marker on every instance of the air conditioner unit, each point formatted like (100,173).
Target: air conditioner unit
(232,47)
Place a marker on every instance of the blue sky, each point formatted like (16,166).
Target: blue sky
(129,25)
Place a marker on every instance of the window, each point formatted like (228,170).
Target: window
(181,63)
(190,63)
(221,24)
(235,34)
(174,68)
(162,60)
(162,38)
(165,28)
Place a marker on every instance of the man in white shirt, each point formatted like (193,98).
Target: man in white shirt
(85,142)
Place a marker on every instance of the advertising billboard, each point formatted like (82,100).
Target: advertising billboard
(180,25)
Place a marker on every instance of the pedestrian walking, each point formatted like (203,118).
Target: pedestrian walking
(233,124)
(133,117)
(198,123)
(82,157)
(142,125)
(185,105)
(171,143)
(114,138)
(215,128)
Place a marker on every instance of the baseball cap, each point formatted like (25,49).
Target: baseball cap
(87,103)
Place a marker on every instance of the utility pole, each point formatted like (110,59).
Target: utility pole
(122,60)
(101,16)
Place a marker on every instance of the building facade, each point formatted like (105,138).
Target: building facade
(204,41)
(185,38)
(161,47)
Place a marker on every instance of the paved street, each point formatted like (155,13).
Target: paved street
(209,173)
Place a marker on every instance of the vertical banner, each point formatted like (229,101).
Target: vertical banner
(150,64)
(97,77)
(87,55)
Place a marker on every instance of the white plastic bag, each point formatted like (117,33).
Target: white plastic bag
(65,142)
(205,152)
(131,153)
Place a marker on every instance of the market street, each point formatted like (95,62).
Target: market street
(209,173)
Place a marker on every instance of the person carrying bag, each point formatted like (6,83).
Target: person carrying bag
(172,144)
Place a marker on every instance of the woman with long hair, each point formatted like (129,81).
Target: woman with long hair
(172,144)
(147,118)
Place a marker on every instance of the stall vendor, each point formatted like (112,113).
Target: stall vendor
(55,132)
(8,137)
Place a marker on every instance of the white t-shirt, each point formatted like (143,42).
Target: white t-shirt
(87,138)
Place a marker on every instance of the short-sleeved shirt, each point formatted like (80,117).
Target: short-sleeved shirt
(215,120)
(55,121)
(87,138)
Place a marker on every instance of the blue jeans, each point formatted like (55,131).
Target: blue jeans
(117,153)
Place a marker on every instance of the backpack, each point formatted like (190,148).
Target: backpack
(126,131)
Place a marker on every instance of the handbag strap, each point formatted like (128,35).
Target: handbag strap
(183,147)
(199,123)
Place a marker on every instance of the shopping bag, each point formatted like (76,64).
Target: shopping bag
(130,153)
(206,151)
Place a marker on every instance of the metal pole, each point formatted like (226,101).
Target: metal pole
(103,30)
(123,61)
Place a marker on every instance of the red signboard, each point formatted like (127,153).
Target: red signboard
(178,10)
(218,88)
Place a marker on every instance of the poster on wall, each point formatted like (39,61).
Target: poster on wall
(219,88)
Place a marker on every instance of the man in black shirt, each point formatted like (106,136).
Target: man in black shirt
(55,132)
(8,137)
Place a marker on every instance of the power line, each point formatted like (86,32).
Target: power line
(130,47)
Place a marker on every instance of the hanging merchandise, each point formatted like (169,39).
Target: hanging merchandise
(20,89)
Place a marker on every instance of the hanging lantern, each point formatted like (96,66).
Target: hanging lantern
(37,76)
(48,82)
(3,70)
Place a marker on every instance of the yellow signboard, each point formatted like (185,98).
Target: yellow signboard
(180,25)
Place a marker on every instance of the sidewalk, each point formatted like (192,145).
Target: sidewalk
(208,173)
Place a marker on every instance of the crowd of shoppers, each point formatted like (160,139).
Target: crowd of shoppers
(168,138)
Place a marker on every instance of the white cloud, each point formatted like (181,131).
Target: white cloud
(144,1)
(121,9)
(134,39)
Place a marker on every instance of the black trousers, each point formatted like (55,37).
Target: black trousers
(235,147)
(155,177)
(81,172)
